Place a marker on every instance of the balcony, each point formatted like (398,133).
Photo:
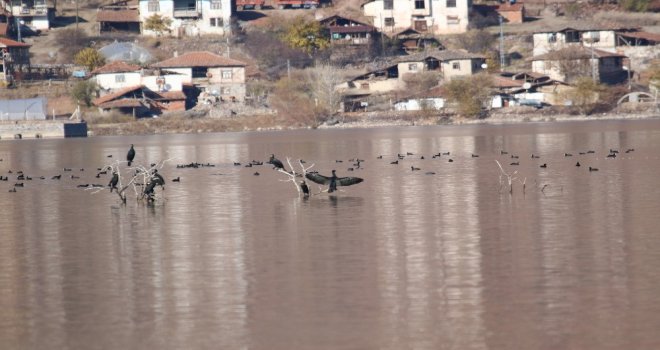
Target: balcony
(187,12)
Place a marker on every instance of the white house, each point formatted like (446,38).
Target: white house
(214,74)
(37,14)
(117,75)
(569,63)
(598,36)
(432,16)
(189,18)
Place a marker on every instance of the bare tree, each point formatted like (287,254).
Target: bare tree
(323,80)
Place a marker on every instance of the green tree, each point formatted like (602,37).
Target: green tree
(158,24)
(306,35)
(89,58)
(469,94)
(84,92)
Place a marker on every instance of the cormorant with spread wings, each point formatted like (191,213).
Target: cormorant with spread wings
(333,181)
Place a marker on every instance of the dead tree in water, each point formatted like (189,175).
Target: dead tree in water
(302,187)
(139,178)
(510,179)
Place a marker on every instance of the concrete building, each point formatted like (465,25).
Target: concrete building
(569,63)
(432,16)
(189,18)
(210,73)
(35,14)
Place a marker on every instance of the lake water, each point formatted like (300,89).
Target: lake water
(226,259)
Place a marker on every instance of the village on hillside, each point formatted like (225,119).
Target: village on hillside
(309,62)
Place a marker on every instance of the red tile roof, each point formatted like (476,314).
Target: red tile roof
(4,42)
(642,35)
(118,16)
(504,82)
(116,67)
(510,7)
(119,93)
(171,96)
(199,59)
(121,103)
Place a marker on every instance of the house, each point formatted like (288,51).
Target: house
(140,101)
(511,12)
(210,73)
(449,63)
(14,57)
(117,75)
(36,14)
(122,16)
(598,36)
(189,18)
(569,63)
(343,30)
(412,41)
(428,16)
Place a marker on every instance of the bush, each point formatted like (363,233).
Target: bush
(84,92)
(89,58)
(476,41)
(470,94)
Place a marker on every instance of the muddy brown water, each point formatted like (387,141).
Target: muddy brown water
(226,259)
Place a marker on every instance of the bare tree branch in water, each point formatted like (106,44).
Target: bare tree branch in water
(510,179)
(139,178)
(293,175)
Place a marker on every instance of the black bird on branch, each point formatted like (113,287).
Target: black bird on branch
(304,188)
(333,181)
(130,155)
(114,181)
(277,164)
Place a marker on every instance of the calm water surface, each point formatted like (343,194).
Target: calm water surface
(229,260)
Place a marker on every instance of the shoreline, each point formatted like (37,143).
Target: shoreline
(186,125)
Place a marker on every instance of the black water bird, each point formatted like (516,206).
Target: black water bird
(177,179)
(475,155)
(429,173)
(67,169)
(413,168)
(535,156)
(248,165)
(156,177)
(395,162)
(333,181)
(75,177)
(450,160)
(130,155)
(504,152)
(567,155)
(19,184)
(422,157)
(56,177)
(237,164)
(409,153)
(593,169)
(611,155)
(591,151)
(515,163)
(256,173)
(13,189)
(83,185)
(543,165)
(277,164)
(304,188)
(379,157)
(339,161)
(114,181)
(614,151)
(577,164)
(350,169)
(627,151)
(445,153)
(109,156)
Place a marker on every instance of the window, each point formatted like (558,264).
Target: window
(216,5)
(456,66)
(552,37)
(572,36)
(412,66)
(419,4)
(451,3)
(153,6)
(216,22)
(389,21)
(120,78)
(388,4)
(226,74)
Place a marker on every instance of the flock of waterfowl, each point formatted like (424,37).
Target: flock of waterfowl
(155,179)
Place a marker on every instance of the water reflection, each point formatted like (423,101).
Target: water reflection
(231,260)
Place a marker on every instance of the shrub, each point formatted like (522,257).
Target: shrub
(70,41)
(469,94)
(84,91)
(89,58)
(476,41)
(158,24)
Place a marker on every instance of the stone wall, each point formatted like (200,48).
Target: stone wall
(41,129)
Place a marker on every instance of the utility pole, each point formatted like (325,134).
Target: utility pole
(501,45)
